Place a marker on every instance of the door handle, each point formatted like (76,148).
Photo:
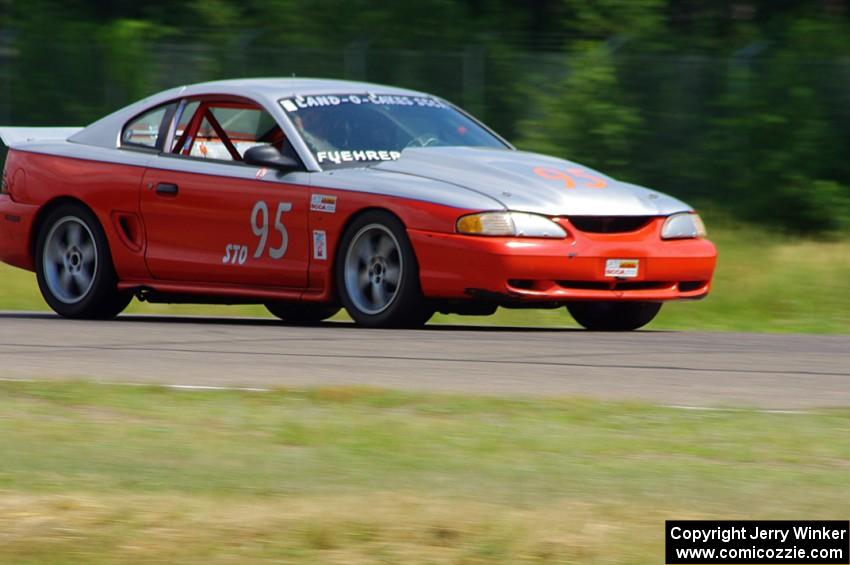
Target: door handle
(166,189)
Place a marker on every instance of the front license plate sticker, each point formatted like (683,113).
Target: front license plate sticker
(621,268)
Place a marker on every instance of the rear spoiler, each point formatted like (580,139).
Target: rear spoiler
(12,136)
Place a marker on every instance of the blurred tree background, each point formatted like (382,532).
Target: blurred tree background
(741,106)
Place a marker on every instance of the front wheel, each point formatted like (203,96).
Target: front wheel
(74,267)
(613,316)
(377,275)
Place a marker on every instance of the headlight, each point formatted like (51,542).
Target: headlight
(683,226)
(510,224)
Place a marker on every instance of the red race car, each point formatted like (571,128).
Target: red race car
(308,195)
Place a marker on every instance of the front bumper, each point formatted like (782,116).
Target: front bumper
(518,270)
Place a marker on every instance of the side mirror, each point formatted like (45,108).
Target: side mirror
(268,156)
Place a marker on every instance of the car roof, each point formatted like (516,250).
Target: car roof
(266,91)
(276,88)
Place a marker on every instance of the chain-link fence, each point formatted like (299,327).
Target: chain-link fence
(716,129)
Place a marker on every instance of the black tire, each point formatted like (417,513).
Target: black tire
(377,275)
(301,312)
(74,267)
(613,316)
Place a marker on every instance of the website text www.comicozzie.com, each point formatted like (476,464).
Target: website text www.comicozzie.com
(764,542)
(778,553)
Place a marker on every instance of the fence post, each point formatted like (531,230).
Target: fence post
(740,75)
(7,53)
(354,59)
(473,82)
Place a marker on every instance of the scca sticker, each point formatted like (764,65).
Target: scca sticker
(622,268)
(323,203)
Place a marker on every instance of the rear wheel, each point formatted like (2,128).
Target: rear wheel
(301,313)
(377,275)
(613,316)
(74,266)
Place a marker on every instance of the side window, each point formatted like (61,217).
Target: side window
(182,123)
(224,131)
(209,144)
(245,125)
(146,131)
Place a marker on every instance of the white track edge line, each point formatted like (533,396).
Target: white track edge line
(719,409)
(162,385)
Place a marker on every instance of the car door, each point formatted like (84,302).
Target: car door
(210,218)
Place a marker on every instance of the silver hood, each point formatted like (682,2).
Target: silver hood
(513,179)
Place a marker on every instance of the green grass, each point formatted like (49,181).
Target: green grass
(764,282)
(110,474)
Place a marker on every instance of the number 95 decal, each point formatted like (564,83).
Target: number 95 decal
(237,254)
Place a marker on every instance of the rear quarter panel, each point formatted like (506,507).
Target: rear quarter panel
(108,189)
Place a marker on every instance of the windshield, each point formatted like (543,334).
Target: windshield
(353,130)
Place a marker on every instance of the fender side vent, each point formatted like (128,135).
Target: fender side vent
(129,230)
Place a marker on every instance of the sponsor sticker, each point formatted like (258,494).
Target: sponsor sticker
(621,268)
(320,245)
(289,105)
(340,157)
(323,203)
(304,102)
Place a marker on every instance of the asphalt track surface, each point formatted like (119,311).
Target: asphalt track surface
(782,372)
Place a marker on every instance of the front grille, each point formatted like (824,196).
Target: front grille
(689,286)
(522,284)
(609,224)
(609,285)
(618,285)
